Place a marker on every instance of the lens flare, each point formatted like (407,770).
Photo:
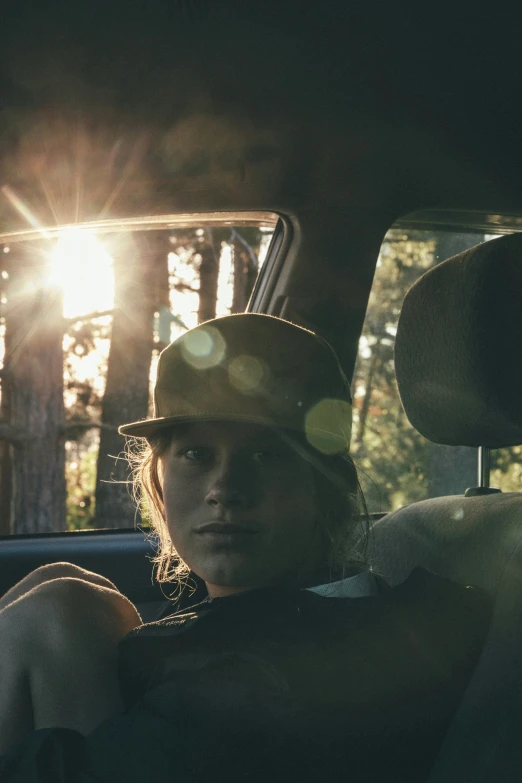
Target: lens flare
(204,348)
(328,425)
(23,209)
(247,373)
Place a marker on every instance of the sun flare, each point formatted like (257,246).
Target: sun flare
(83,269)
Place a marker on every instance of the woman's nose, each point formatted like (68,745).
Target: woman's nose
(230,487)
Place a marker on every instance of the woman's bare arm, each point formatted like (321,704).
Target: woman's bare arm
(59,661)
(48,572)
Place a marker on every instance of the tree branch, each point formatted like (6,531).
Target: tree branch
(87,425)
(253,258)
(87,317)
(185,287)
(17,436)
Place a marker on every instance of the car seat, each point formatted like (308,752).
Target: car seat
(459,371)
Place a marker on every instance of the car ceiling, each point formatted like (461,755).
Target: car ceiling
(342,115)
(193,104)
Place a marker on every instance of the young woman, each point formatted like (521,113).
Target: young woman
(298,665)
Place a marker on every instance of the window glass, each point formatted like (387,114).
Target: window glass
(397,465)
(85,312)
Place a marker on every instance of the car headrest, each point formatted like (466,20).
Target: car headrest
(458,350)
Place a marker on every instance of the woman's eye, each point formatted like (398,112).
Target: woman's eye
(196,454)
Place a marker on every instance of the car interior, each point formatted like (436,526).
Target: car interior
(360,168)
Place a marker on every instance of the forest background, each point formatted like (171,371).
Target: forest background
(83,320)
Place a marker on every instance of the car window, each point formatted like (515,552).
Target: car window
(85,312)
(397,465)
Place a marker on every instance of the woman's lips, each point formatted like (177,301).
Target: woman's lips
(225,533)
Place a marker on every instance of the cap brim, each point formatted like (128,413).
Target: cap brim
(148,427)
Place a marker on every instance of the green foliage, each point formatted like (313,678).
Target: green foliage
(506,469)
(397,465)
(391,456)
(400,465)
(80,473)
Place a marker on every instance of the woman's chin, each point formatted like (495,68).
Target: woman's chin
(224,572)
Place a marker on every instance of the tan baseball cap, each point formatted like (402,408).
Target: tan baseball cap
(252,368)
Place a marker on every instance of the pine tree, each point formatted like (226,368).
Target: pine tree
(139,269)
(32,395)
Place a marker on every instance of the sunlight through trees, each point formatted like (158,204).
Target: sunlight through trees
(83,320)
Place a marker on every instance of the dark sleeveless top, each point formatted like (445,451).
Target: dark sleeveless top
(279,686)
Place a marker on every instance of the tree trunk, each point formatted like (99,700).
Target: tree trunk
(245,276)
(239,292)
(6,467)
(126,395)
(32,397)
(208,278)
(365,407)
(246,244)
(6,471)
(6,488)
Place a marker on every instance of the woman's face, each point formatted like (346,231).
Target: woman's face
(241,506)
